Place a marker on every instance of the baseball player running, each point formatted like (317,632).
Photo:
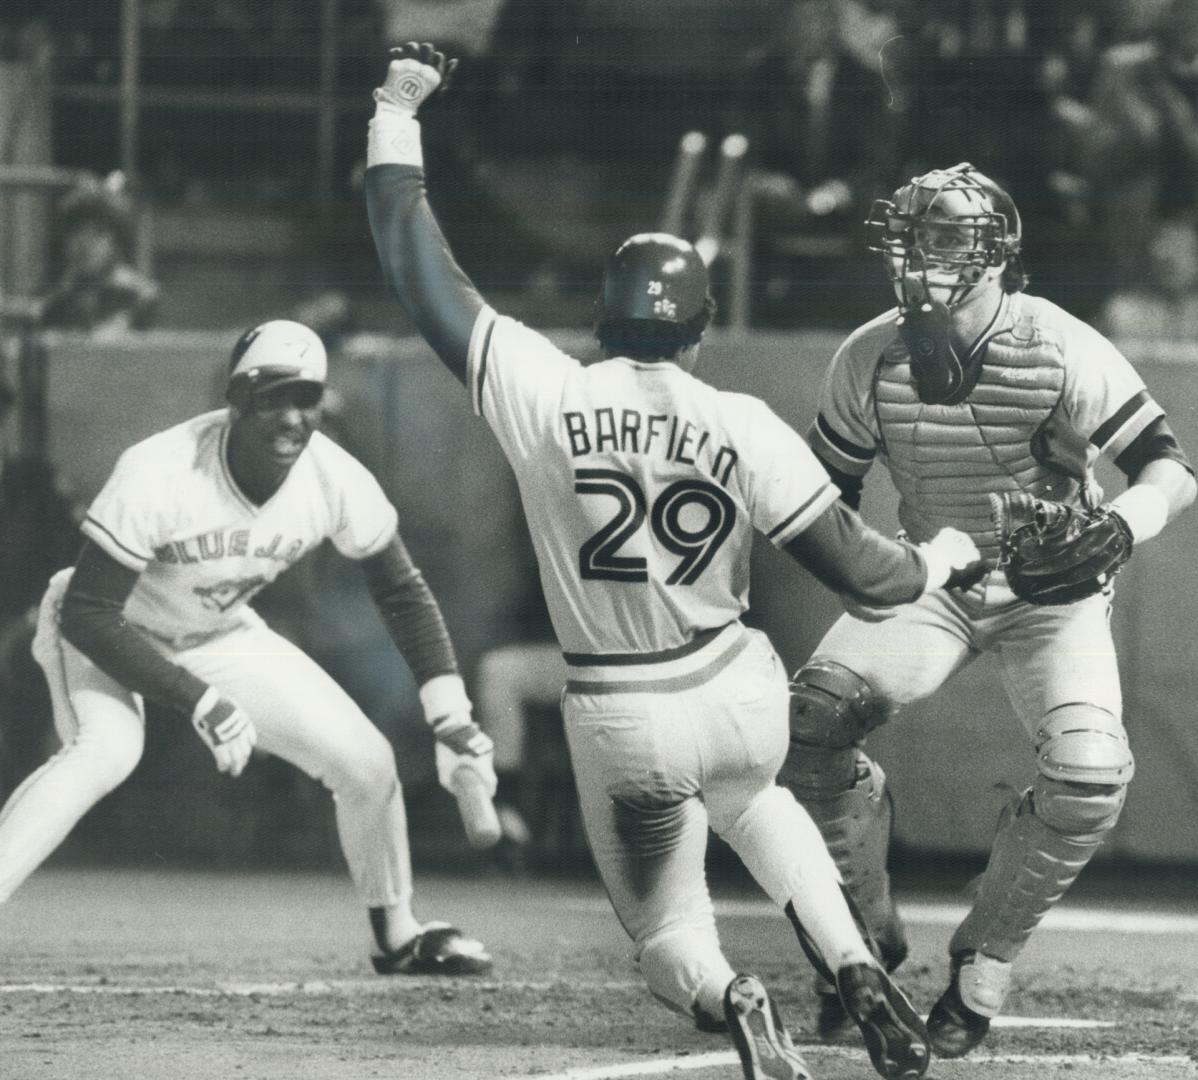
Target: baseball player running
(642,486)
(977,398)
(191,524)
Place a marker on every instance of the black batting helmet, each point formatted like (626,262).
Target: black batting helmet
(656,277)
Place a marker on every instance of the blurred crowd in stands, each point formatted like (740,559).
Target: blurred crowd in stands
(559,139)
(567,115)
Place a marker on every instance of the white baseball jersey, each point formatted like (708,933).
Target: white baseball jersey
(642,486)
(172,511)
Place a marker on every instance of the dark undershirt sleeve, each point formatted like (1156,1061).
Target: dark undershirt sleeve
(93,620)
(1155,443)
(850,486)
(856,561)
(410,612)
(418,265)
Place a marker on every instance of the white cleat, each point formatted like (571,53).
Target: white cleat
(765,1047)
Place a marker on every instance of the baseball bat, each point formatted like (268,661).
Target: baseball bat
(476,808)
(732,155)
(682,182)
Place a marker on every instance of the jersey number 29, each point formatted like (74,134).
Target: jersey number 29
(599,558)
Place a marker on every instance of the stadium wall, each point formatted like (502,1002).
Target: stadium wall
(951,759)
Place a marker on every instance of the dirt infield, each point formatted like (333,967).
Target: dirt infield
(182,976)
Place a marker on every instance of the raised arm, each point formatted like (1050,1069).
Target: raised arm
(416,260)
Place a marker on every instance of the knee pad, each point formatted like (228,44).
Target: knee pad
(1085,764)
(1084,813)
(831,710)
(1080,743)
(832,706)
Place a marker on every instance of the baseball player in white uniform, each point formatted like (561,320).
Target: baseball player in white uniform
(191,524)
(971,388)
(642,487)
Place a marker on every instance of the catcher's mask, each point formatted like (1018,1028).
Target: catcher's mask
(942,236)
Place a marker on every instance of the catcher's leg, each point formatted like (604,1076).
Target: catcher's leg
(1042,844)
(832,709)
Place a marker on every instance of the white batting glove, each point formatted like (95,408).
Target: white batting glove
(228,731)
(414,74)
(953,559)
(461,743)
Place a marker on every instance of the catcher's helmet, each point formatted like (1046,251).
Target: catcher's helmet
(272,354)
(952,227)
(655,277)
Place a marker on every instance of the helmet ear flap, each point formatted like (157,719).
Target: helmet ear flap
(239,391)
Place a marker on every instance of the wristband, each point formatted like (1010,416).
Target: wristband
(442,695)
(938,565)
(209,698)
(393,138)
(1144,509)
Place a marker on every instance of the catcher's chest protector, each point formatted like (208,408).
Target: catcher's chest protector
(946,459)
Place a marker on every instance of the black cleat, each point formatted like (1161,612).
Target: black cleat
(953,1026)
(765,1048)
(832,1023)
(436,950)
(894,1034)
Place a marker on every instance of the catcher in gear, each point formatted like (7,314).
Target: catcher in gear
(989,408)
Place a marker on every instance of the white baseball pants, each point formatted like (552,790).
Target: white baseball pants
(300,713)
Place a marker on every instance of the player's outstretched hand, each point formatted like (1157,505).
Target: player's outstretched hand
(228,731)
(415,73)
(953,560)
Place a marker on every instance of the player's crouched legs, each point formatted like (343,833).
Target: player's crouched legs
(1041,846)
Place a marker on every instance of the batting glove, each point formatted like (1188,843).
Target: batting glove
(227,730)
(413,76)
(952,559)
(461,743)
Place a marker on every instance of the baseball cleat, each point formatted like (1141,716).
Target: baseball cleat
(437,950)
(894,1034)
(765,1048)
(955,1026)
(833,1023)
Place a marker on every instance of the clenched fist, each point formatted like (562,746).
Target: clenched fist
(414,74)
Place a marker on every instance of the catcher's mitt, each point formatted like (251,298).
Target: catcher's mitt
(1056,554)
